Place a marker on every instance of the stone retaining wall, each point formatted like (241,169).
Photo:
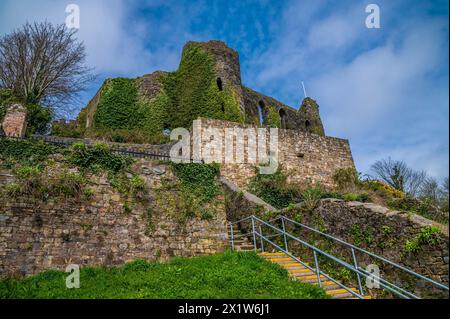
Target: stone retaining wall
(37,236)
(371,227)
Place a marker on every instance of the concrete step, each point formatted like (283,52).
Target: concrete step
(264,254)
(300,271)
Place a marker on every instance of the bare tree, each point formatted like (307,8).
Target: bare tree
(43,64)
(431,190)
(399,176)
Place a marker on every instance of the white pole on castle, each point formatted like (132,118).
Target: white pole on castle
(304,90)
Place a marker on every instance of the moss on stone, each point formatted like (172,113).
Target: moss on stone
(273,119)
(186,94)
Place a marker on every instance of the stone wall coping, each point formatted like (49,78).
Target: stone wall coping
(210,123)
(16,107)
(249,196)
(378,209)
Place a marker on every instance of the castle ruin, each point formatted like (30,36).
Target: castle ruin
(208,85)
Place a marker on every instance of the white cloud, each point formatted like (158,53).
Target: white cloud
(378,88)
(115,43)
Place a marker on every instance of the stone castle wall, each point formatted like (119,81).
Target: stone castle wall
(308,158)
(37,236)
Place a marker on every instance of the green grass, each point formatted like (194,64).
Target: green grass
(225,275)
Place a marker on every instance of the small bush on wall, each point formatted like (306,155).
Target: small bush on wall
(99,156)
(274,189)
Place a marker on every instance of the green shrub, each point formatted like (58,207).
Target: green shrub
(361,234)
(273,118)
(12,190)
(99,156)
(350,197)
(311,197)
(198,179)
(67,130)
(88,193)
(423,207)
(6,99)
(196,188)
(38,119)
(69,184)
(346,179)
(137,183)
(31,181)
(25,172)
(206,215)
(274,189)
(428,235)
(138,187)
(382,189)
(26,152)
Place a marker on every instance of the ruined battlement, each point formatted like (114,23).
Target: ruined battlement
(207,84)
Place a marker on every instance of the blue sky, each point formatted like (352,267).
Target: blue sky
(386,89)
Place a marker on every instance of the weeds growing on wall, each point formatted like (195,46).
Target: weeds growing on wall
(197,187)
(97,157)
(274,118)
(198,179)
(428,235)
(274,189)
(25,152)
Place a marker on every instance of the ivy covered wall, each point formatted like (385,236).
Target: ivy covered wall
(123,109)
(207,84)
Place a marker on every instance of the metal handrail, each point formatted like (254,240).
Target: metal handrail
(411,272)
(355,268)
(339,261)
(312,269)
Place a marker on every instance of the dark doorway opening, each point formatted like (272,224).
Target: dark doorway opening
(283,118)
(219,84)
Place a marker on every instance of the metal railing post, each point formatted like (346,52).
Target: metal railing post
(355,263)
(254,234)
(284,234)
(261,237)
(317,269)
(232,236)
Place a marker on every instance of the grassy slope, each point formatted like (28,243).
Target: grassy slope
(226,275)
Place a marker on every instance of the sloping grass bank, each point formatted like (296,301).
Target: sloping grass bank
(225,275)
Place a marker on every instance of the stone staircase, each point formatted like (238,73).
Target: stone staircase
(300,272)
(241,243)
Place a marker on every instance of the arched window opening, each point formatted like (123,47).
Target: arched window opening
(283,118)
(166,131)
(219,84)
(307,123)
(261,108)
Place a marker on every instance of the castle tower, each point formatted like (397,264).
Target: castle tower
(309,117)
(227,68)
